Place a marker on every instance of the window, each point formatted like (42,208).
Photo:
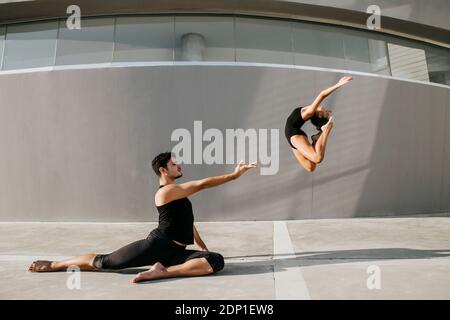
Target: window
(144,39)
(204,38)
(267,41)
(356,50)
(92,43)
(220,38)
(438,61)
(408,63)
(2,43)
(30,45)
(318,45)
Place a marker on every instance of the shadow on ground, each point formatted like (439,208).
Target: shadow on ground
(306,259)
(259,264)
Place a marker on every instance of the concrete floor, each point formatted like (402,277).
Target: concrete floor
(308,259)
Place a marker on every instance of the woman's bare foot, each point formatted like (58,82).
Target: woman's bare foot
(42,266)
(157,271)
(328,124)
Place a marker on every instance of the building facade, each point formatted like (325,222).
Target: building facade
(85,108)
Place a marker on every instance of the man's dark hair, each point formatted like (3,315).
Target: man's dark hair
(161,160)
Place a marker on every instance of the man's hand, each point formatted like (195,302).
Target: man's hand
(242,168)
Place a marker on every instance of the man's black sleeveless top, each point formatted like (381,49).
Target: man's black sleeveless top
(176,220)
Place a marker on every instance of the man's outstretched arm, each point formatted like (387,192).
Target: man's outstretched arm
(178,191)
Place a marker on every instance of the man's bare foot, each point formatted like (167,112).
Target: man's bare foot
(328,124)
(42,266)
(157,271)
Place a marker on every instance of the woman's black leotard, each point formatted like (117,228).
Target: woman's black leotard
(293,125)
(175,223)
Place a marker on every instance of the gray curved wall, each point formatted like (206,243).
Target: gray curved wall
(75,145)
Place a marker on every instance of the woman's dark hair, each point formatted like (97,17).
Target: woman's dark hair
(161,160)
(318,122)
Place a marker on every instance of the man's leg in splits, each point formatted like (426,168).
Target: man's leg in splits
(139,253)
(84,262)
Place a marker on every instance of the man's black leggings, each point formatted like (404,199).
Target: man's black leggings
(157,247)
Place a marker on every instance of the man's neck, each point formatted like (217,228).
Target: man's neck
(165,181)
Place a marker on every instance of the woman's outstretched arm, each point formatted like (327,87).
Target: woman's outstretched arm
(308,111)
